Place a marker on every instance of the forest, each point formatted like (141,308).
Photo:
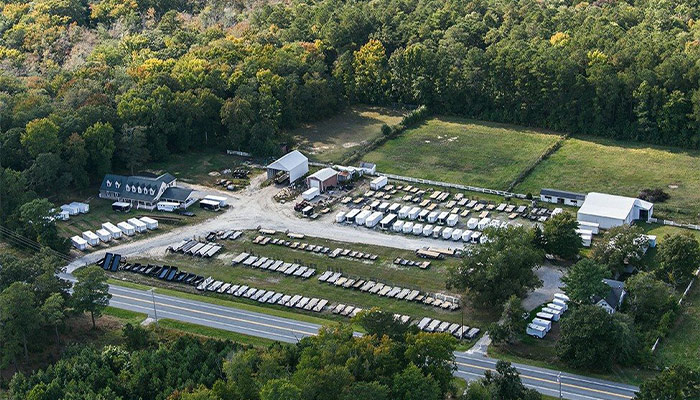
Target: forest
(88,86)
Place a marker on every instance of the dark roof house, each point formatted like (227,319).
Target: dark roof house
(143,191)
(615,297)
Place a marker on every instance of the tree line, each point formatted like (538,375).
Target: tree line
(35,303)
(87,87)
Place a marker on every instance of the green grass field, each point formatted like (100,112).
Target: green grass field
(383,270)
(587,164)
(463,151)
(682,346)
(329,140)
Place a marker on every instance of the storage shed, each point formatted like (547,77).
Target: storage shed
(378,182)
(83,208)
(323,179)
(609,210)
(91,238)
(293,163)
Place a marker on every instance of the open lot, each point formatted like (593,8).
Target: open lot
(462,151)
(586,164)
(329,140)
(383,270)
(682,346)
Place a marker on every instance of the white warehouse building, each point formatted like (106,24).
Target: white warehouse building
(609,210)
(294,163)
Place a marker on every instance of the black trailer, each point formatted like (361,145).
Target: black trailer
(164,272)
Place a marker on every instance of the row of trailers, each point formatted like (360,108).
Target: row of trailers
(541,324)
(196,248)
(459,331)
(269,264)
(109,232)
(263,296)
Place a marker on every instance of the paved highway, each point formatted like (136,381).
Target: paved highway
(469,367)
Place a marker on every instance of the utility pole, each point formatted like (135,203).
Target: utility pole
(559,380)
(153,297)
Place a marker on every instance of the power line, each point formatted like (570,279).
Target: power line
(30,244)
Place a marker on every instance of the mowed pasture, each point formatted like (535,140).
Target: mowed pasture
(463,151)
(331,139)
(586,164)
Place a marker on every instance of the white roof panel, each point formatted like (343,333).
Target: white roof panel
(288,161)
(611,206)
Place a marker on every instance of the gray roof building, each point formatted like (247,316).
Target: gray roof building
(143,191)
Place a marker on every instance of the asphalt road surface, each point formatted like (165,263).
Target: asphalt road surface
(469,367)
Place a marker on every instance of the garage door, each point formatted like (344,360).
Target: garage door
(315,184)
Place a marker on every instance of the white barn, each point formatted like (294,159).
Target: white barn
(609,210)
(294,163)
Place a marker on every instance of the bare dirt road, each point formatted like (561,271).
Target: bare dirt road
(252,208)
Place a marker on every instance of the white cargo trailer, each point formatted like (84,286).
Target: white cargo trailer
(408,227)
(472,223)
(139,225)
(447,233)
(413,214)
(403,212)
(457,234)
(483,223)
(112,229)
(79,243)
(126,228)
(91,238)
(432,217)
(373,219)
(104,235)
(452,220)
(151,223)
(428,230)
(340,217)
(418,229)
(398,226)
(378,182)
(361,218)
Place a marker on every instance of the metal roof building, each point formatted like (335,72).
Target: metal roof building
(294,163)
(609,210)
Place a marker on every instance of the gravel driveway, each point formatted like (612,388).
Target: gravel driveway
(252,208)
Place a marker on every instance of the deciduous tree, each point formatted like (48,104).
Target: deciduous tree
(91,292)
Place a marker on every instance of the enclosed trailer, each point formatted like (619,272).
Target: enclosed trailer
(167,206)
(210,205)
(403,212)
(350,216)
(561,304)
(112,229)
(408,227)
(388,221)
(383,207)
(139,225)
(467,235)
(378,182)
(483,223)
(418,229)
(126,228)
(437,232)
(151,223)
(452,220)
(472,223)
(78,242)
(476,237)
(374,219)
(447,233)
(394,208)
(545,315)
(536,330)
(423,323)
(104,235)
(310,194)
(432,217)
(543,322)
(91,238)
(562,297)
(83,208)
(428,230)
(72,210)
(219,199)
(361,218)
(413,214)
(554,313)
(423,215)
(398,226)
(374,205)
(457,234)
(340,217)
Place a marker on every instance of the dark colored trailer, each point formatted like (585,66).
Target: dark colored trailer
(164,272)
(156,270)
(172,274)
(179,277)
(197,280)
(189,278)
(115,262)
(107,263)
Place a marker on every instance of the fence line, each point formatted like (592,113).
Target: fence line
(680,301)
